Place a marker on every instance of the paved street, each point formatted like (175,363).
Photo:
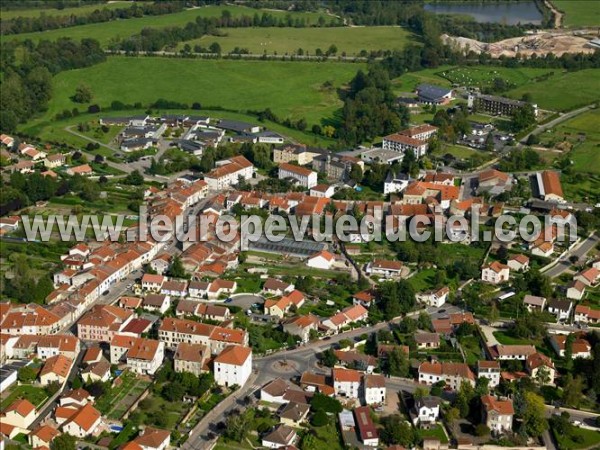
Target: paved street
(558,120)
(564,263)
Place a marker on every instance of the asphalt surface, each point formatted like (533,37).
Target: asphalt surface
(564,263)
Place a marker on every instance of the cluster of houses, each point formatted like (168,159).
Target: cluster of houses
(26,158)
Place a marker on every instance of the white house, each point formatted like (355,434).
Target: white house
(560,308)
(495,273)
(233,366)
(56,370)
(346,382)
(229,172)
(156,303)
(280,437)
(21,414)
(374,390)
(497,414)
(489,370)
(152,282)
(519,263)
(84,422)
(384,268)
(534,303)
(576,290)
(303,176)
(321,260)
(153,439)
(322,190)
(143,356)
(401,143)
(427,411)
(435,297)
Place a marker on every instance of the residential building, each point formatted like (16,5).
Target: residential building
(191,358)
(158,303)
(373,389)
(174,331)
(580,348)
(560,308)
(585,314)
(279,306)
(427,411)
(435,297)
(301,175)
(453,374)
(233,366)
(495,273)
(589,276)
(427,340)
(336,167)
(346,317)
(273,286)
(346,382)
(281,436)
(384,268)
(518,263)
(322,260)
(301,326)
(296,152)
(509,352)
(84,169)
(534,303)
(56,370)
(490,370)
(293,414)
(42,436)
(541,368)
(322,191)
(152,282)
(229,172)
(143,356)
(153,439)
(497,414)
(83,422)
(20,413)
(575,290)
(101,323)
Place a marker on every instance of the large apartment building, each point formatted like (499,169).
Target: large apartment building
(496,105)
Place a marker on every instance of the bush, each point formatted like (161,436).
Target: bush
(482,430)
(93,109)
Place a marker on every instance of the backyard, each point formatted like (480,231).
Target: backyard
(118,399)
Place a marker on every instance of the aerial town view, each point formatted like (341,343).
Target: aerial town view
(300,224)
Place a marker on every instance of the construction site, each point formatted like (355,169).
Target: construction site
(540,43)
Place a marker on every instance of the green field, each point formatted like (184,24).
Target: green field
(236,85)
(484,76)
(350,40)
(589,439)
(36,395)
(105,32)
(78,11)
(579,13)
(563,91)
(585,155)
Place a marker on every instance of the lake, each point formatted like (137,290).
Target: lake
(509,13)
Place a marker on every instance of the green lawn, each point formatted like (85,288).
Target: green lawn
(579,13)
(350,40)
(591,439)
(117,400)
(236,85)
(459,151)
(586,154)
(436,432)
(35,395)
(472,348)
(105,32)
(583,89)
(505,339)
(423,280)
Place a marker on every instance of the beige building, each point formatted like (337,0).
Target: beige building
(497,414)
(191,358)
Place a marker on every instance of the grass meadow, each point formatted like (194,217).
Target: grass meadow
(349,40)
(579,13)
(236,85)
(105,32)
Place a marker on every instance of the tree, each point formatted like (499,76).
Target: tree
(52,388)
(424,321)
(489,142)
(215,47)
(26,374)
(321,402)
(83,94)
(452,417)
(397,431)
(328,358)
(320,419)
(356,173)
(482,430)
(533,413)
(237,427)
(573,390)
(173,391)
(64,442)
(134,178)
(482,386)
(523,118)
(398,364)
(177,270)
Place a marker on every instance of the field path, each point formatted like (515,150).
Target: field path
(556,14)
(558,120)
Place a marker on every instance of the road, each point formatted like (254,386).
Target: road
(141,166)
(579,251)
(558,120)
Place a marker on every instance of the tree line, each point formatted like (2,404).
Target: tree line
(52,22)
(26,88)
